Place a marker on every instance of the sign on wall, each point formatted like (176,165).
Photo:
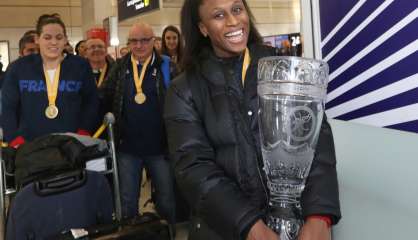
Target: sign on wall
(132,8)
(372,50)
(287,44)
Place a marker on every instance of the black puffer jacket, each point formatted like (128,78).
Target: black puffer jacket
(113,87)
(213,139)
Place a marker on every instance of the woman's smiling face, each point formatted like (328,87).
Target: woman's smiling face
(226,23)
(52,41)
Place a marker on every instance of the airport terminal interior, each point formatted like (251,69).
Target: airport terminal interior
(308,130)
(275,19)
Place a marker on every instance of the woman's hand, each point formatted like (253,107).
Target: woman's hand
(315,229)
(260,231)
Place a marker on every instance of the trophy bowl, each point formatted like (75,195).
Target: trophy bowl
(292,93)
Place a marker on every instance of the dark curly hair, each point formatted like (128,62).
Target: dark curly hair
(193,38)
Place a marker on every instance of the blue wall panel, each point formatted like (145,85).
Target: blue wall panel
(371,47)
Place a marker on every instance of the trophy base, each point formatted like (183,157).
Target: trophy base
(285,222)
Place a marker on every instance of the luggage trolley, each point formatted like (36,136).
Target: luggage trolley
(109,120)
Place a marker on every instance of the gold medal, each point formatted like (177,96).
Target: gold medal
(102,75)
(140,98)
(51,112)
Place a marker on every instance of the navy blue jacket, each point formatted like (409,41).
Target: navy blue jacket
(25,98)
(142,139)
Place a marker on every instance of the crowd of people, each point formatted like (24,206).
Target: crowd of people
(48,89)
(180,104)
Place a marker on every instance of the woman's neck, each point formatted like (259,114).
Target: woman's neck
(51,63)
(172,52)
(231,57)
(227,54)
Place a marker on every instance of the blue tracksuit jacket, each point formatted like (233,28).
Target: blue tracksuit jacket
(25,98)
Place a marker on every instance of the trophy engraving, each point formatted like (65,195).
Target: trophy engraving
(292,94)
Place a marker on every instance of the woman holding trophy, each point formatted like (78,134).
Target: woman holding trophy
(214,137)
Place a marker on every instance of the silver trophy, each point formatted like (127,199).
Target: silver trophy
(292,93)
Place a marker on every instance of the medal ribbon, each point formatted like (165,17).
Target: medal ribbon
(245,64)
(102,75)
(139,80)
(52,88)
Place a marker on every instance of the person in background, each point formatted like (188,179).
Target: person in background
(68,49)
(213,133)
(97,56)
(1,74)
(101,64)
(172,45)
(1,85)
(27,45)
(157,44)
(30,32)
(136,88)
(285,48)
(48,92)
(80,48)
(123,51)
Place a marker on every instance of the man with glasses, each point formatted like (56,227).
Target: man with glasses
(136,88)
(101,64)
(97,56)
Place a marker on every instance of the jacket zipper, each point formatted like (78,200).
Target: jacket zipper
(257,161)
(252,142)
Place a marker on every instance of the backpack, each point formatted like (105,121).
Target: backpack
(49,155)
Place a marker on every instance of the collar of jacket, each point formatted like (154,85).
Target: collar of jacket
(210,66)
(37,59)
(126,60)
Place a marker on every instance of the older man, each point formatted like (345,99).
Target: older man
(136,88)
(96,54)
(101,64)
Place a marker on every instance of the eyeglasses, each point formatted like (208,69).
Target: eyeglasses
(94,47)
(141,40)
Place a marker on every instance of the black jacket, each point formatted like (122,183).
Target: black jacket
(104,105)
(213,139)
(113,87)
